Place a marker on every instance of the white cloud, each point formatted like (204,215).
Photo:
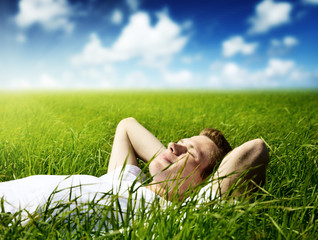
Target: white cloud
(67,77)
(103,77)
(275,43)
(229,74)
(177,78)
(233,72)
(94,53)
(117,17)
(187,24)
(50,14)
(282,46)
(290,41)
(298,75)
(41,81)
(311,1)
(277,72)
(287,41)
(21,38)
(237,45)
(48,82)
(138,40)
(277,67)
(189,60)
(19,84)
(92,77)
(136,79)
(133,4)
(268,15)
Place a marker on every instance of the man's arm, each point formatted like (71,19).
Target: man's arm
(131,140)
(245,163)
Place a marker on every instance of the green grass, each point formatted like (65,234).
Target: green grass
(72,133)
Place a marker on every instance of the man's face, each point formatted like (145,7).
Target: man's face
(183,162)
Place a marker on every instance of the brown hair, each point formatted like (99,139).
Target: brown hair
(223,148)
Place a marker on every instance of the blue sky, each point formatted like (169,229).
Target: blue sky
(95,44)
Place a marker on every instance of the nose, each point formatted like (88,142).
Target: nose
(177,149)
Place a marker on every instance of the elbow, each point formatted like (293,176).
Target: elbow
(126,121)
(129,119)
(258,147)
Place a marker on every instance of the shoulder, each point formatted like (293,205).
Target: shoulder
(131,169)
(125,173)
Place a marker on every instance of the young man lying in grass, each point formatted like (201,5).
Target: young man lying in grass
(174,170)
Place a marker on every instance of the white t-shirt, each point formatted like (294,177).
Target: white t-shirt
(32,193)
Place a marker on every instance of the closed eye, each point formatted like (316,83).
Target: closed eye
(192,154)
(190,149)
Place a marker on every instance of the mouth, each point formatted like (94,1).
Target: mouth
(166,158)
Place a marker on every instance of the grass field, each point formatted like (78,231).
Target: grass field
(71,133)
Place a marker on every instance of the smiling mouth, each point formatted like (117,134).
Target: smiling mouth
(165,157)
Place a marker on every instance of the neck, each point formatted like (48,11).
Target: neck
(162,190)
(158,189)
